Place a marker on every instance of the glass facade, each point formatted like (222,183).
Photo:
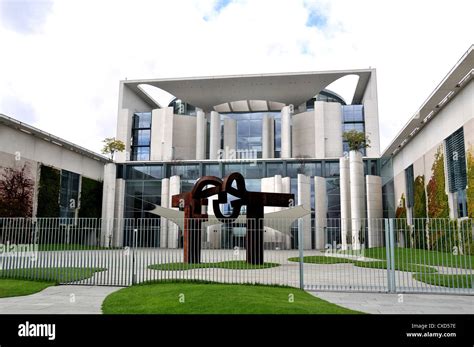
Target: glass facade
(352,119)
(323,96)
(141,136)
(143,184)
(249,131)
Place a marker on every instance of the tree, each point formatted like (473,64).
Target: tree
(356,140)
(111,146)
(16,193)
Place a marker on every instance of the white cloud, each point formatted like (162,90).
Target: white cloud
(69,71)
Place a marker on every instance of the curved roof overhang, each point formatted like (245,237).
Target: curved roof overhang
(287,88)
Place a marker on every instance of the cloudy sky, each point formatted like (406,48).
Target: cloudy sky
(61,60)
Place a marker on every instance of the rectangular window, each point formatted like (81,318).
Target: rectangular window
(409,182)
(456,161)
(461,201)
(69,194)
(141,136)
(353,119)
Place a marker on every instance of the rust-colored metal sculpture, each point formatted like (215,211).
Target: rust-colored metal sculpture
(233,184)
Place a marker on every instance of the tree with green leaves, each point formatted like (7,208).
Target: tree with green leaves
(112,146)
(356,140)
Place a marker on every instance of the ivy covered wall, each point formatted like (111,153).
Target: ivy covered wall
(48,192)
(438,206)
(91,198)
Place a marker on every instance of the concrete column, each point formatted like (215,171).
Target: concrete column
(268,138)
(165,201)
(173,230)
(124,133)
(161,145)
(345,193)
(215,135)
(286,188)
(356,168)
(333,129)
(118,235)
(200,135)
(304,199)
(371,115)
(213,231)
(230,138)
(108,202)
(285,132)
(374,210)
(319,134)
(321,210)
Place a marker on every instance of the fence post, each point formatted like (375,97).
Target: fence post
(134,246)
(389,250)
(300,251)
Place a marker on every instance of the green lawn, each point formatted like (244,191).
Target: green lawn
(400,266)
(215,298)
(50,274)
(422,256)
(450,281)
(232,265)
(11,287)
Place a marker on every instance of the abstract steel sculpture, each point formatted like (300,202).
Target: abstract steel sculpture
(233,184)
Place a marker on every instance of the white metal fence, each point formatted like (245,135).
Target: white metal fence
(383,255)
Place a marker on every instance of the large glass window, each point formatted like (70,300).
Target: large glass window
(188,172)
(69,194)
(141,136)
(353,119)
(308,169)
(457,171)
(249,131)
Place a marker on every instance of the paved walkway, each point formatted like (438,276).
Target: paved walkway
(70,299)
(401,303)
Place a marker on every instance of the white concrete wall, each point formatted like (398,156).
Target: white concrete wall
(332,129)
(303,135)
(345,196)
(173,230)
(268,137)
(356,171)
(184,137)
(319,130)
(286,150)
(321,209)
(371,113)
(215,135)
(230,136)
(454,115)
(37,149)
(165,202)
(374,210)
(201,127)
(162,125)
(124,133)
(304,199)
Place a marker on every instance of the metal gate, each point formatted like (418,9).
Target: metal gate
(384,255)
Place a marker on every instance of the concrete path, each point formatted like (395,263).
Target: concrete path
(70,299)
(401,303)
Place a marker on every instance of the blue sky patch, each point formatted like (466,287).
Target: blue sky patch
(25,16)
(316,19)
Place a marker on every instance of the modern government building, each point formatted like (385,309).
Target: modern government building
(283,133)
